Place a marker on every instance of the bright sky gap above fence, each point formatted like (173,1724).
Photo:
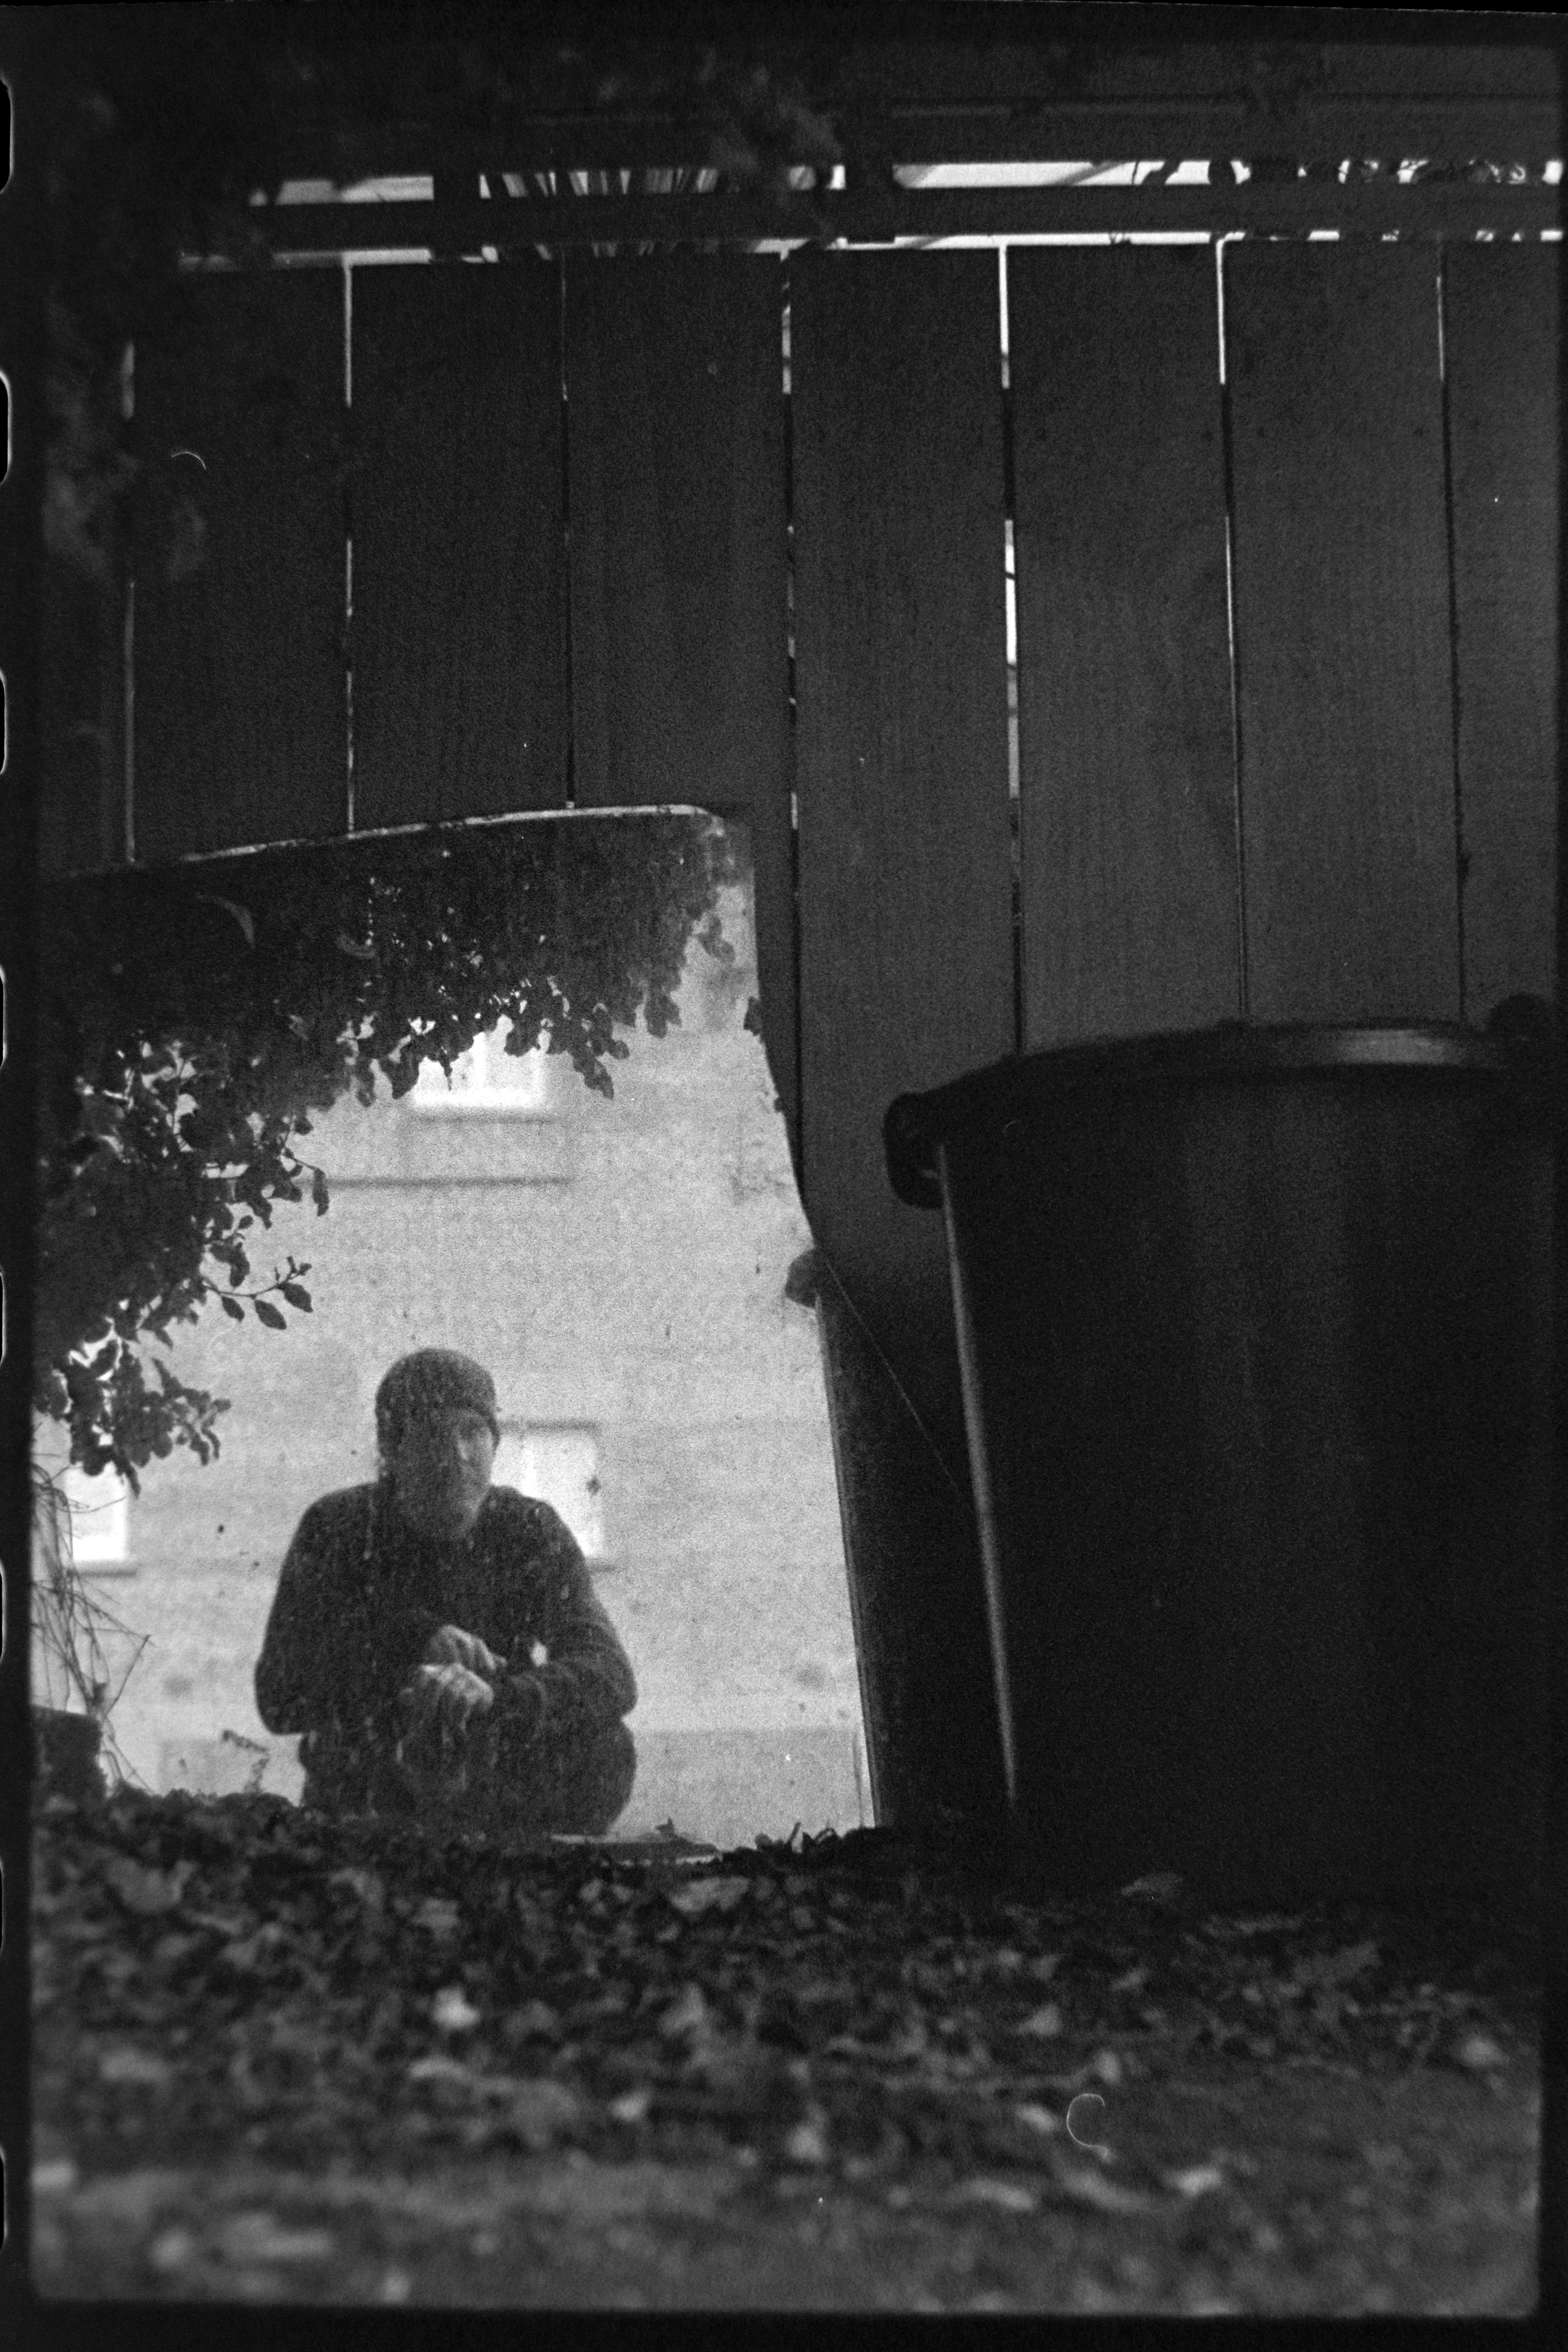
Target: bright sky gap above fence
(1192,172)
(974,203)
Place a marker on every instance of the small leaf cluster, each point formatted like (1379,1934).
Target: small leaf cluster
(189,1032)
(289,1287)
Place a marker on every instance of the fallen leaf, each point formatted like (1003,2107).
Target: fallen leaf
(253,1954)
(1479,2054)
(259,2237)
(632,2106)
(1336,1968)
(702,1895)
(439,2069)
(1195,2180)
(1040,2120)
(1043,2023)
(687,2014)
(226,1924)
(170,1949)
(368,1884)
(127,2064)
(453,2011)
(437,1916)
(911,2040)
(83,1931)
(807,2143)
(1157,1886)
(749,2076)
(146,1892)
(173,2249)
(849,2045)
(1093,2189)
(1010,2195)
(540,2111)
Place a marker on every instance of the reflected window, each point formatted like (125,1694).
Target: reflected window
(560,1464)
(99,1517)
(486,1078)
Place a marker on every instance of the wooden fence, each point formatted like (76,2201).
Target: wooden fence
(490,539)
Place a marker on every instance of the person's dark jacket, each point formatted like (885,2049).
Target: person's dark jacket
(362,1593)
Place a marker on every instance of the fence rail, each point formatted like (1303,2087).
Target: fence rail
(456,226)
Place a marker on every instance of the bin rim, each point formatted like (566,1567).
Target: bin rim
(915,1123)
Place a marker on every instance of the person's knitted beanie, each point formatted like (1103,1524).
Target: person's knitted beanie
(427,1380)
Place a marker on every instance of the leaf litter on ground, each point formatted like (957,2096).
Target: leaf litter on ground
(866,2008)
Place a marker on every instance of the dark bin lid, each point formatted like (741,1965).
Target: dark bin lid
(916,1123)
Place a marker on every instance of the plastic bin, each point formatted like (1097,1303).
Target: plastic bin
(1254,1327)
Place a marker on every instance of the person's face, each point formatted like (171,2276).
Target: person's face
(440,1469)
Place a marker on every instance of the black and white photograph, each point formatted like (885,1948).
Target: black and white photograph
(782,1071)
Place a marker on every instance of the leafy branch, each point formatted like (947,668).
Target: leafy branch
(288,1287)
(188,1037)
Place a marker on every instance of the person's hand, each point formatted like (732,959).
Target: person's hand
(441,1744)
(451,1647)
(448,1695)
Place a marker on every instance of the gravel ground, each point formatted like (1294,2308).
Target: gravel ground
(284,2060)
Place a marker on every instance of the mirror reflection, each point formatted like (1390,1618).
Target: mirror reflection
(524,1462)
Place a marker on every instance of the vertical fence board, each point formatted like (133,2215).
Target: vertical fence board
(1500,336)
(81,681)
(459,589)
(1342,632)
(239,691)
(1128,849)
(906,965)
(901,744)
(678,556)
(678,562)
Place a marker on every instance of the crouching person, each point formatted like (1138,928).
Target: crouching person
(436,1639)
